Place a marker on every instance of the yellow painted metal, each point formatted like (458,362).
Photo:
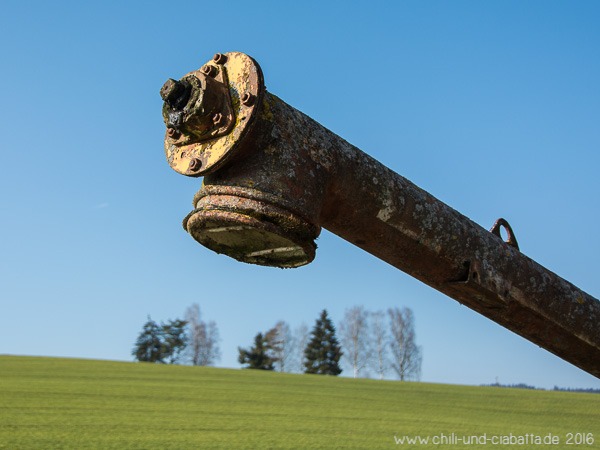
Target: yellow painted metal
(243,76)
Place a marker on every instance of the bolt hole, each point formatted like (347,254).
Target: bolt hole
(475,275)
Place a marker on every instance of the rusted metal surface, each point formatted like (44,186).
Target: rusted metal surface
(510,238)
(204,113)
(251,226)
(271,185)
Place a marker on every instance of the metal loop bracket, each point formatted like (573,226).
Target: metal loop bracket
(511,239)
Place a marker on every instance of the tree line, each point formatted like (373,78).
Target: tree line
(370,343)
(189,341)
(321,350)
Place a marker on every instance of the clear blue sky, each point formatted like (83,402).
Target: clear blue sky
(493,107)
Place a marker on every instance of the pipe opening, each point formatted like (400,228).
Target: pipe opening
(252,231)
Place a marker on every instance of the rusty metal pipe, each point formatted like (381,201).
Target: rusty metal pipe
(270,188)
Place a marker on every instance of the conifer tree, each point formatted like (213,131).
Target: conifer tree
(149,346)
(323,352)
(160,343)
(174,340)
(257,357)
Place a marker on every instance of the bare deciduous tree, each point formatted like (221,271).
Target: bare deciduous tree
(355,339)
(301,337)
(281,344)
(405,354)
(203,338)
(379,361)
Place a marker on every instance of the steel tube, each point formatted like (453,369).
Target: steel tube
(291,176)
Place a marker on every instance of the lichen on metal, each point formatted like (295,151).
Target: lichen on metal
(273,177)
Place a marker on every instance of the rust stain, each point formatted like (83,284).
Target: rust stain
(217,89)
(274,178)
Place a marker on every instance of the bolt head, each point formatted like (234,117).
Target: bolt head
(172,133)
(195,165)
(209,70)
(247,99)
(220,58)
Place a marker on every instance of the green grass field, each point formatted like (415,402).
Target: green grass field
(51,403)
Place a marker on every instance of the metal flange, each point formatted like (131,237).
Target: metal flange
(209,111)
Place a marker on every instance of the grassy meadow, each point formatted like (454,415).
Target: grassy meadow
(52,403)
